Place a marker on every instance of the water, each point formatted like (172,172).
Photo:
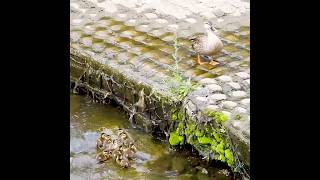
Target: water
(155,158)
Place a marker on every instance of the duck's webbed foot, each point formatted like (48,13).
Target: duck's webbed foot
(214,63)
(199,60)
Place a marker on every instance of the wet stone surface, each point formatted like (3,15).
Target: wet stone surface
(137,39)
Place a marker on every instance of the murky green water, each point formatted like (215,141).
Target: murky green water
(155,160)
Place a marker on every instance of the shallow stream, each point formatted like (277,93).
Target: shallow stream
(155,159)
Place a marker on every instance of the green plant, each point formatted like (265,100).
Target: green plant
(238,117)
(219,117)
(174,117)
(204,136)
(204,140)
(216,136)
(198,133)
(181,86)
(229,157)
(175,139)
(175,54)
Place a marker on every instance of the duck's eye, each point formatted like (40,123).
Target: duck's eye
(103,135)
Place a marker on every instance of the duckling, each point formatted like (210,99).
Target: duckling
(115,144)
(116,153)
(104,156)
(103,140)
(124,136)
(127,152)
(123,161)
(132,147)
(128,143)
(141,104)
(120,131)
(209,44)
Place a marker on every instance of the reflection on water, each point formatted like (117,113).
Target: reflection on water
(155,160)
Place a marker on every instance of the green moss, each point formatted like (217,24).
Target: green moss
(198,133)
(214,144)
(203,137)
(219,117)
(180,128)
(204,140)
(180,115)
(221,158)
(175,139)
(216,136)
(189,130)
(220,148)
(229,157)
(174,117)
(238,117)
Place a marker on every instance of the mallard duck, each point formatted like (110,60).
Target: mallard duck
(103,140)
(208,44)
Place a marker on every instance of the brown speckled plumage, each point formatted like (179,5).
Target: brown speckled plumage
(198,42)
(209,44)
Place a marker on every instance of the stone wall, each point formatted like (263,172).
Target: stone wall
(138,51)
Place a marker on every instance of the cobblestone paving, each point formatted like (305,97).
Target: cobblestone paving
(229,94)
(138,37)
